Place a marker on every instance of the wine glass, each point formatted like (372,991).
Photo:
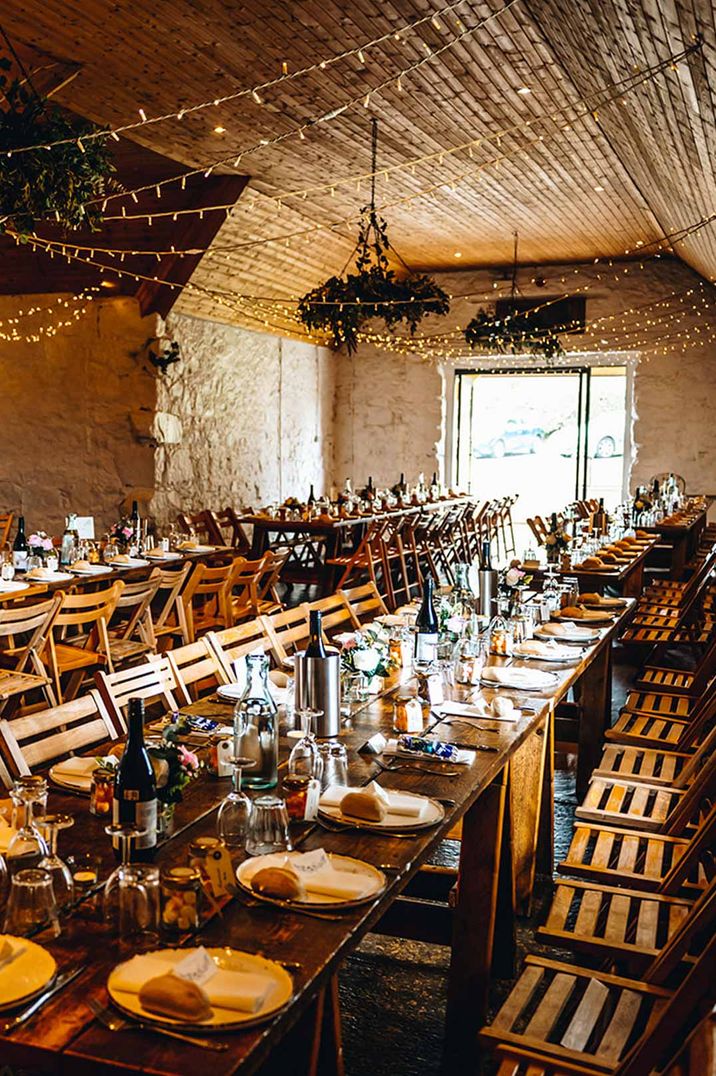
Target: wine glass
(62,881)
(27,847)
(305,758)
(235,811)
(131,893)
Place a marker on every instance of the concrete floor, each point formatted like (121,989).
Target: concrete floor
(393,991)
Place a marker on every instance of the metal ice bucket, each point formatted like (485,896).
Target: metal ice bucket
(318,687)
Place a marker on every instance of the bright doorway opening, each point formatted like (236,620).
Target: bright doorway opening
(551,436)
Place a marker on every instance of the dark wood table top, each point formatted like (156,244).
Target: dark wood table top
(65,1038)
(681,522)
(325,523)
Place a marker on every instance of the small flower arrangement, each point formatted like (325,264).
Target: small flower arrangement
(449,623)
(366,651)
(40,543)
(642,503)
(174,767)
(513,578)
(122,531)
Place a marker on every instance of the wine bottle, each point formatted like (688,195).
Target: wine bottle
(20,548)
(486,557)
(401,484)
(426,627)
(311,496)
(316,647)
(135,790)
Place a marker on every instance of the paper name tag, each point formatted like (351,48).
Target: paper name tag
(436,693)
(217,866)
(310,862)
(197,967)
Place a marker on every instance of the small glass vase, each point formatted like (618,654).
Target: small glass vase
(165,821)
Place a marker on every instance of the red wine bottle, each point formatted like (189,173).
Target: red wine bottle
(20,548)
(135,790)
(316,647)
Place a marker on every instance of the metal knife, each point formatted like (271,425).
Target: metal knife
(60,984)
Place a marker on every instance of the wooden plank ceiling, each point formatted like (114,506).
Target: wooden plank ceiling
(576,186)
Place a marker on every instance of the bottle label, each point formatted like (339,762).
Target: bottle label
(19,559)
(144,815)
(426,647)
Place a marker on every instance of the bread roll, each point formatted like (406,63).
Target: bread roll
(278,882)
(121,558)
(83,565)
(177,998)
(502,707)
(607,558)
(363,805)
(572,612)
(592,562)
(596,599)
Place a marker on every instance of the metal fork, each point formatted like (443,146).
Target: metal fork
(117,1023)
(415,767)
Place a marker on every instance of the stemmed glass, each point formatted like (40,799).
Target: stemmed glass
(233,818)
(305,758)
(62,881)
(124,834)
(131,893)
(27,847)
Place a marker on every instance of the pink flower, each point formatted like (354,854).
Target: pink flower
(187,758)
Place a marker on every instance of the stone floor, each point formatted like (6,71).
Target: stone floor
(393,991)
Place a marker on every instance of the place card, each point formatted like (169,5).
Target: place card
(197,967)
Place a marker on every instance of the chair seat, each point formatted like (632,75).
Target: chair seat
(124,649)
(72,657)
(624,803)
(16,683)
(641,764)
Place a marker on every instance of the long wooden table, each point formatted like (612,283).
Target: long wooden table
(682,535)
(626,579)
(504,799)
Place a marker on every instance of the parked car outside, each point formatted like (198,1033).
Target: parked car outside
(518,438)
(606,438)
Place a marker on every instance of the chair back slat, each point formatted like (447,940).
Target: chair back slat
(231,644)
(153,680)
(6,519)
(287,632)
(195,663)
(44,736)
(365,603)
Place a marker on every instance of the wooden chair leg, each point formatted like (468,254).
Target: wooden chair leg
(327,1051)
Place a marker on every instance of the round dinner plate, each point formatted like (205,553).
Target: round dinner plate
(570,637)
(27,975)
(594,618)
(528,679)
(133,562)
(234,692)
(96,569)
(51,577)
(246,870)
(565,656)
(392,823)
(198,549)
(221,1019)
(11,586)
(164,555)
(608,604)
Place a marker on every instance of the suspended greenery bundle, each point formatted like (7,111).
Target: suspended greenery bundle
(517,334)
(343,303)
(59,184)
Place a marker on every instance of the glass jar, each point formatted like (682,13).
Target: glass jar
(407,714)
(501,638)
(256,725)
(181,896)
(102,793)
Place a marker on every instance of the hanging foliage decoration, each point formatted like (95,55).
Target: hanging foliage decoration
(343,303)
(519,333)
(59,184)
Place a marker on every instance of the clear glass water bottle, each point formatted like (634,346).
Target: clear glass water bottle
(256,726)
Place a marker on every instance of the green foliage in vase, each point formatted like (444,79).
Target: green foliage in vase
(59,184)
(344,303)
(517,334)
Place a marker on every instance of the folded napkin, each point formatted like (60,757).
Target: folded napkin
(464,758)
(77,766)
(321,877)
(397,803)
(534,648)
(479,709)
(512,677)
(240,991)
(566,627)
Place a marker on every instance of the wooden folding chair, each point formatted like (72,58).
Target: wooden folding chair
(236,642)
(654,766)
(656,862)
(336,614)
(287,632)
(90,615)
(6,519)
(206,598)
(38,739)
(197,668)
(153,680)
(168,616)
(253,586)
(231,530)
(33,623)
(365,603)
(661,729)
(131,631)
(666,670)
(202,525)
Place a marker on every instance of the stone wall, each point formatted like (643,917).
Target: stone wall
(256,416)
(391,410)
(71,407)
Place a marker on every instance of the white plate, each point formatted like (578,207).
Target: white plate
(571,637)
(593,618)
(434,813)
(11,586)
(53,577)
(27,975)
(233,692)
(246,870)
(70,782)
(563,655)
(197,549)
(220,1019)
(133,562)
(527,679)
(96,569)
(609,605)
(163,555)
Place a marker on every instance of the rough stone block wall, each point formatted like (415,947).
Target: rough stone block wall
(69,406)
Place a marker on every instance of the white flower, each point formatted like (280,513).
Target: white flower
(513,577)
(161,771)
(455,624)
(366,660)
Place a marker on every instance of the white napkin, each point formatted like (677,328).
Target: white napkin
(242,991)
(464,758)
(567,627)
(320,877)
(550,649)
(396,803)
(480,709)
(531,679)
(77,766)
